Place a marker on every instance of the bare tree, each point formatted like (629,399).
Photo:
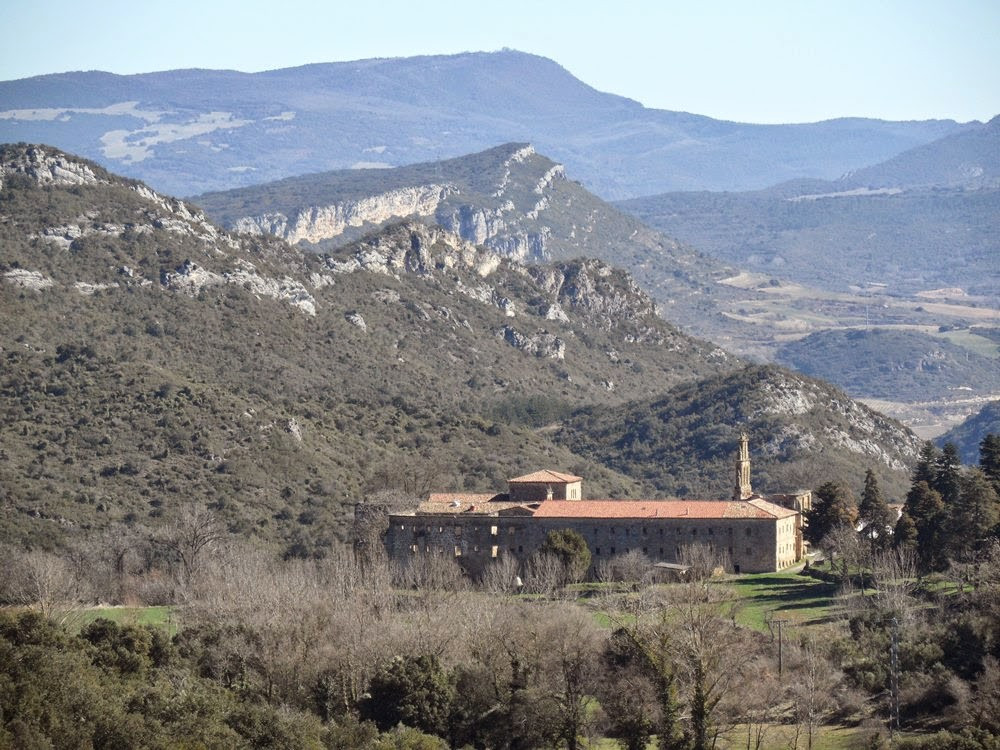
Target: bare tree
(431,572)
(632,566)
(501,576)
(191,538)
(543,574)
(704,561)
(44,580)
(812,690)
(894,574)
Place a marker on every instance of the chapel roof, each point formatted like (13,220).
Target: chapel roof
(546,475)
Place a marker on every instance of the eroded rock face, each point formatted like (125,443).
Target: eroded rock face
(49,168)
(191,279)
(319,223)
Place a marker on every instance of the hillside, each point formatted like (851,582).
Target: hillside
(511,199)
(803,432)
(151,360)
(969,434)
(969,159)
(925,220)
(190,131)
(893,364)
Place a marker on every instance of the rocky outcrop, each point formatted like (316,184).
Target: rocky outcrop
(28,279)
(47,167)
(191,278)
(542,344)
(319,223)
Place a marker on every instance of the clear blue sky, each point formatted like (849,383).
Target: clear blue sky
(751,61)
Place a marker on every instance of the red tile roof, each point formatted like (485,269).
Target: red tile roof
(678,509)
(546,475)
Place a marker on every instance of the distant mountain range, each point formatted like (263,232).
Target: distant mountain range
(151,359)
(191,131)
(969,434)
(924,220)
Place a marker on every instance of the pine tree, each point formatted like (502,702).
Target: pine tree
(874,513)
(989,459)
(925,508)
(904,535)
(948,475)
(926,462)
(833,506)
(972,519)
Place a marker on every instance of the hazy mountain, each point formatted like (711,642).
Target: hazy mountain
(968,435)
(925,220)
(188,131)
(969,159)
(897,365)
(151,360)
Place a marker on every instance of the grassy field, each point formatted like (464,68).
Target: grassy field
(776,737)
(161,617)
(788,596)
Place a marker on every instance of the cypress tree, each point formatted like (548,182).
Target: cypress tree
(874,513)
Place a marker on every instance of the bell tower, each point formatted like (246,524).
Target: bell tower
(743,490)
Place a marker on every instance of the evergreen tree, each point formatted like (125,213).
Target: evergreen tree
(904,535)
(948,475)
(571,549)
(412,690)
(972,519)
(833,506)
(874,513)
(925,508)
(989,459)
(926,463)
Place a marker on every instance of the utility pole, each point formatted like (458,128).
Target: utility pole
(779,623)
(894,676)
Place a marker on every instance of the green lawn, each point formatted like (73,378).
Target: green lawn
(161,617)
(788,596)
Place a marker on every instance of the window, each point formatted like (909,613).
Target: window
(749,531)
(494,550)
(458,551)
(493,530)
(597,551)
(612,550)
(711,531)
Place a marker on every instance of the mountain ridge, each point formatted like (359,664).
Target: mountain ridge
(188,132)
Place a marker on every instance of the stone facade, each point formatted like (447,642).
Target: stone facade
(753,534)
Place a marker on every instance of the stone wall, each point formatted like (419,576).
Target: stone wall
(752,545)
